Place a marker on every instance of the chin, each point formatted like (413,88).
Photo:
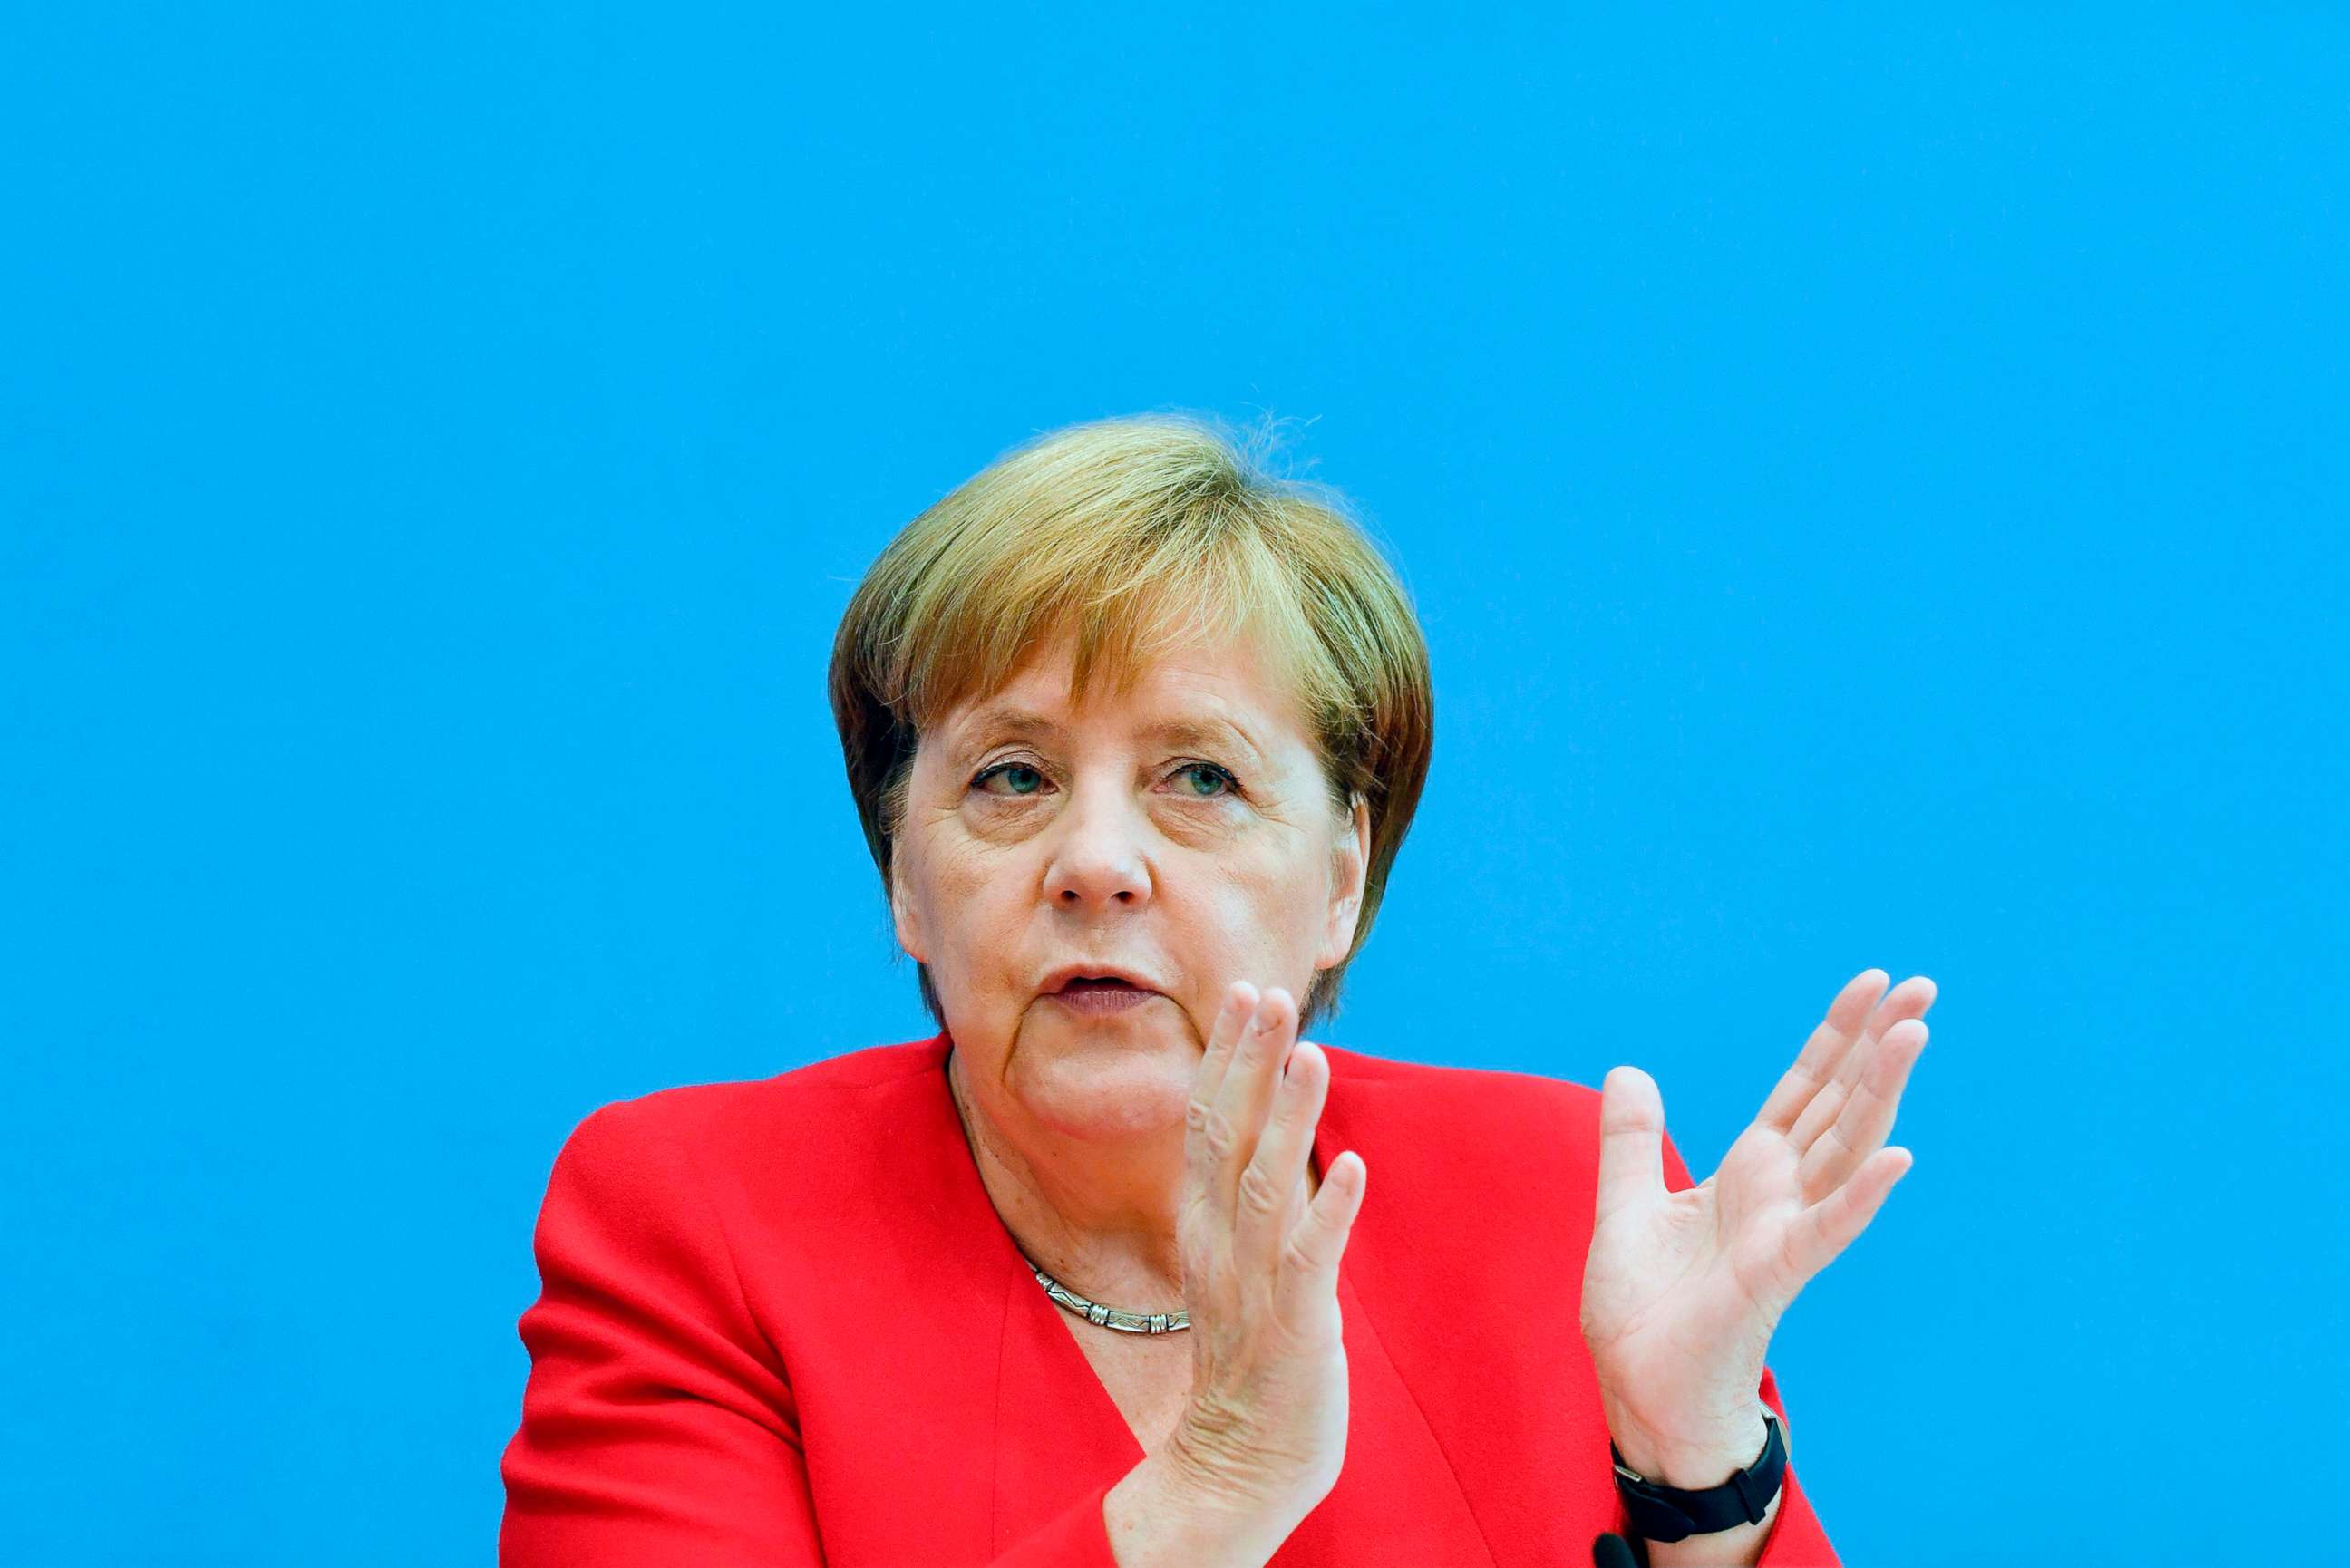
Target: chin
(1148,1030)
(1117,1081)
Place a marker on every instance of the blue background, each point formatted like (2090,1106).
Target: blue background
(1875,493)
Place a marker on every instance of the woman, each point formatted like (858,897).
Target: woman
(1135,733)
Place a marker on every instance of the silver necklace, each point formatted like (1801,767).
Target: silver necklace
(1108,1316)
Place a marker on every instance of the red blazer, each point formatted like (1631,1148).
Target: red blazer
(781,1325)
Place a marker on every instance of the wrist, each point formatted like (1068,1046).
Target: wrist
(1162,1514)
(1686,1460)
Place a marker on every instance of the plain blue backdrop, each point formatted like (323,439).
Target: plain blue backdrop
(1874,491)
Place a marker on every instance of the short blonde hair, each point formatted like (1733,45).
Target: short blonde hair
(1138,534)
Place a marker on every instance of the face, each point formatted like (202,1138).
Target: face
(1181,833)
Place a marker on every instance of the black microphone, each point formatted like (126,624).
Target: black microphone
(1612,1551)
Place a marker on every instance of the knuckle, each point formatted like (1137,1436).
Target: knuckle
(1219,1134)
(1257,1191)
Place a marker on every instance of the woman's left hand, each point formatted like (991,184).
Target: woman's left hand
(1682,1290)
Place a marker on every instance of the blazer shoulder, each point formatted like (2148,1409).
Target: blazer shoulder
(1504,1108)
(1478,1164)
(1495,1107)
(799,1098)
(1498,1086)
(763,1129)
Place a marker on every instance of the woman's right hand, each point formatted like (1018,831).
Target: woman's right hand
(1264,1433)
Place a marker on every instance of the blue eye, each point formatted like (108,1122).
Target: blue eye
(1009,769)
(1026,781)
(1232,785)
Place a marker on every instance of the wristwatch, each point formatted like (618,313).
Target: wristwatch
(1662,1512)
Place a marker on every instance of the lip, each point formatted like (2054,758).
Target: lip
(1101,1001)
(1060,977)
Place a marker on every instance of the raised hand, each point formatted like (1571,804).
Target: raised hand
(1682,1291)
(1265,1432)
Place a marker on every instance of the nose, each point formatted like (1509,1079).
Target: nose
(1097,860)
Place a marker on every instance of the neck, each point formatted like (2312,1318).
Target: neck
(1100,1216)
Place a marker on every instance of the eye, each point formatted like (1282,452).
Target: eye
(1025,780)
(1209,770)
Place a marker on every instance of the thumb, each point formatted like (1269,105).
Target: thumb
(1631,1140)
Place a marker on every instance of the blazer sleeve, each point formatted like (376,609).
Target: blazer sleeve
(658,1425)
(1796,1538)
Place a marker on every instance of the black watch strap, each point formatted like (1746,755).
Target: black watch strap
(1662,1513)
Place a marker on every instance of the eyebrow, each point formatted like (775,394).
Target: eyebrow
(1008,722)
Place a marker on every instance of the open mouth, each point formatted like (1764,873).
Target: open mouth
(1099,997)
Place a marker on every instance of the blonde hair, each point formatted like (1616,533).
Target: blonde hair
(1138,534)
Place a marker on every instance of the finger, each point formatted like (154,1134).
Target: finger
(1208,1138)
(1861,1129)
(1905,1001)
(1272,1186)
(1631,1141)
(1826,1229)
(1308,1278)
(1910,998)
(1816,1063)
(1239,1000)
(1246,1093)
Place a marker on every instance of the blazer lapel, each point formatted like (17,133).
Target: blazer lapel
(1057,1433)
(1397,1497)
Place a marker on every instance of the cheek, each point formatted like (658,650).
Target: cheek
(965,892)
(1260,917)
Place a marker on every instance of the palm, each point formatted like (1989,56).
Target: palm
(1682,1290)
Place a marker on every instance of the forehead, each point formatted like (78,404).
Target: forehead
(1194,693)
